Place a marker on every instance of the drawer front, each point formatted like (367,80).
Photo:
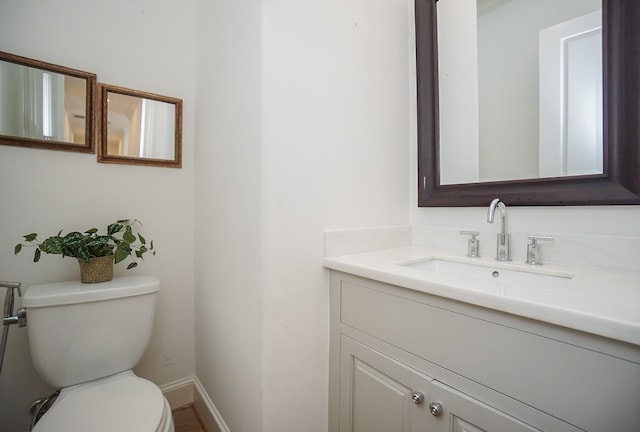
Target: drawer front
(588,389)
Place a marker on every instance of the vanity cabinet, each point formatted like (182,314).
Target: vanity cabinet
(398,354)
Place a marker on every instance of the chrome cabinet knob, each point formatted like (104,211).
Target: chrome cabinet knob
(418,397)
(436,409)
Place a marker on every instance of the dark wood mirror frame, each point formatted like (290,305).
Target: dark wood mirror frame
(620,182)
(105,157)
(89,143)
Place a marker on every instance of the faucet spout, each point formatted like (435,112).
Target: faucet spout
(492,210)
(503,249)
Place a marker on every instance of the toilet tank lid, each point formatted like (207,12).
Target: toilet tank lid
(73,292)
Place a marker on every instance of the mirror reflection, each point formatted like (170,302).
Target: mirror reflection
(139,127)
(44,105)
(520,89)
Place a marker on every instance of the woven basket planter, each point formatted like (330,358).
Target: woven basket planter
(97,270)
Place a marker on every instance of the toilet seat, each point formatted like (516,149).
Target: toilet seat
(123,402)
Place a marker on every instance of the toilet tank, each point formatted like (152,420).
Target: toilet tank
(81,332)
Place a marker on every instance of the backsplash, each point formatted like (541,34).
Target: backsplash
(609,251)
(349,241)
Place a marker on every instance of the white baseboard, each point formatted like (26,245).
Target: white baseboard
(206,410)
(179,393)
(189,391)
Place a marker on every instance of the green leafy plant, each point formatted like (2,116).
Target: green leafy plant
(120,241)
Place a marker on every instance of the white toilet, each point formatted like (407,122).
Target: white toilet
(84,339)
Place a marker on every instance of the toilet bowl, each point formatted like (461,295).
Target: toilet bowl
(85,339)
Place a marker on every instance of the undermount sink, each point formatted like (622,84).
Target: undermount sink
(495,278)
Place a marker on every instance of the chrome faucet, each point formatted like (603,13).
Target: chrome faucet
(503,248)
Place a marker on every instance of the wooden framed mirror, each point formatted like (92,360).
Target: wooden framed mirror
(47,106)
(619,179)
(139,128)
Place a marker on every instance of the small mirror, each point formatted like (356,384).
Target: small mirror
(47,106)
(139,128)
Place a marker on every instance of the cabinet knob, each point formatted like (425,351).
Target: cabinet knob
(418,397)
(435,408)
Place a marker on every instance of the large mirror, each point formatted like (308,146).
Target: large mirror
(139,128)
(536,102)
(43,105)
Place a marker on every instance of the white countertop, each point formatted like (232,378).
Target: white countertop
(596,300)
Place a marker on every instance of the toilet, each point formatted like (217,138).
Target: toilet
(85,339)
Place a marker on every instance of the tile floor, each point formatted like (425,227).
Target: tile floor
(185,420)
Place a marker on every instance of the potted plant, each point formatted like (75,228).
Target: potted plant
(95,252)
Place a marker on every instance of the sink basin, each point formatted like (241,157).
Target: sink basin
(493,278)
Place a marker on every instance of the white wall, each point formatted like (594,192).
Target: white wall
(335,128)
(328,148)
(138,44)
(228,289)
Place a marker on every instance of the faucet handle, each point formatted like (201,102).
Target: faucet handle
(534,250)
(473,245)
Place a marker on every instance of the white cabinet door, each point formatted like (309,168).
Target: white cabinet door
(377,393)
(461,413)
(380,394)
